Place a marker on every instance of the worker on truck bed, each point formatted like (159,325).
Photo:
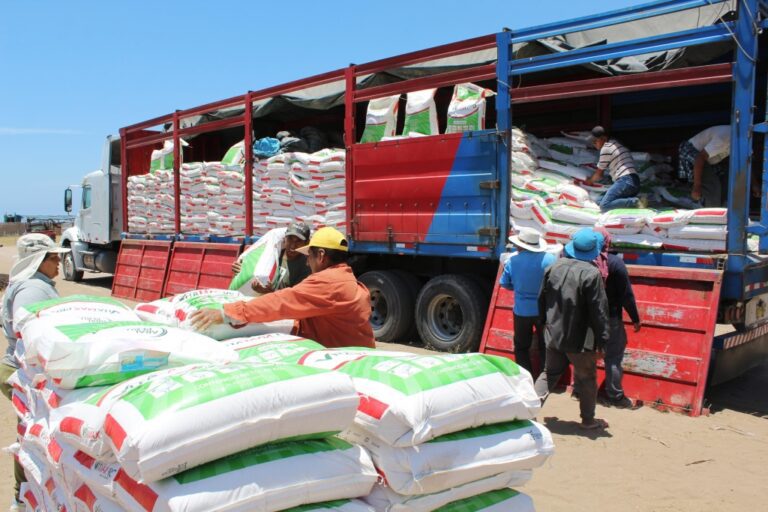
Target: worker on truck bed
(31,280)
(293,264)
(332,307)
(703,161)
(618,160)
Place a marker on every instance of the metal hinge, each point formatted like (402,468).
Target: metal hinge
(490,185)
(489,231)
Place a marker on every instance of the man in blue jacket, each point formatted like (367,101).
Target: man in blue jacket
(523,273)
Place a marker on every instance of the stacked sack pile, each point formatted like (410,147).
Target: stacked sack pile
(120,414)
(446,432)
(150,203)
(310,188)
(226,198)
(442,429)
(194,198)
(549,193)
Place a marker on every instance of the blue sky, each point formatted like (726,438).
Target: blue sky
(74,72)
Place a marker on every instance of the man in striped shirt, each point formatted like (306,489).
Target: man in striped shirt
(618,160)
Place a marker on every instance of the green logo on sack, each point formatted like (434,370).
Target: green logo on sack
(260,455)
(479,502)
(148,329)
(412,375)
(205,383)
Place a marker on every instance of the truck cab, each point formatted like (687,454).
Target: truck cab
(95,237)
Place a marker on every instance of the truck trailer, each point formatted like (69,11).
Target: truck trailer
(428,217)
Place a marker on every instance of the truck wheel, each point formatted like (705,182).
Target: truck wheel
(413,285)
(391,305)
(70,274)
(450,313)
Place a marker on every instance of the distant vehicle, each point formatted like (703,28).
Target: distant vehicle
(95,237)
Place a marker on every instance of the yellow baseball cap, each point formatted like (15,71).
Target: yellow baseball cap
(326,238)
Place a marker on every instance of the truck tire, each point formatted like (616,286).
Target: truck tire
(413,285)
(450,313)
(68,265)
(391,305)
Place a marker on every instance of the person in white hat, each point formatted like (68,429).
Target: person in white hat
(523,273)
(31,280)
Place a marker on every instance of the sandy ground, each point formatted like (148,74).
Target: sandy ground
(645,461)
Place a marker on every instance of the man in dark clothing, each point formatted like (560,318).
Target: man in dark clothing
(572,299)
(618,288)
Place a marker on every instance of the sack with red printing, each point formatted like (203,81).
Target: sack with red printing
(90,500)
(670,219)
(458,458)
(32,497)
(408,399)
(699,231)
(260,262)
(99,475)
(79,422)
(275,476)
(709,216)
(173,422)
(625,221)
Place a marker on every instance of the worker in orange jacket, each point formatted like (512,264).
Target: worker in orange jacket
(332,307)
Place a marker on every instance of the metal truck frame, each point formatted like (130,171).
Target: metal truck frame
(428,217)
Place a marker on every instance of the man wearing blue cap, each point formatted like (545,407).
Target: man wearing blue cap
(572,300)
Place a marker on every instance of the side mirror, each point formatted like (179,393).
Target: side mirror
(68,200)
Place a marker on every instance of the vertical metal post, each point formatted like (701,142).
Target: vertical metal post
(741,135)
(504,127)
(605,112)
(764,195)
(248,142)
(349,141)
(124,177)
(176,175)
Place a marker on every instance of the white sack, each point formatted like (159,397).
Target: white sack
(408,399)
(458,458)
(174,422)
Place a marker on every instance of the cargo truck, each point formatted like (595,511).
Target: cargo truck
(428,217)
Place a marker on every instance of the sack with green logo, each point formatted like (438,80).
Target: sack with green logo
(275,476)
(458,458)
(74,309)
(79,420)
(235,155)
(272,348)
(162,159)
(466,112)
(174,422)
(421,113)
(384,498)
(178,310)
(100,354)
(408,399)
(381,118)
(260,263)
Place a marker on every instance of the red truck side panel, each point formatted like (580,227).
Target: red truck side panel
(667,363)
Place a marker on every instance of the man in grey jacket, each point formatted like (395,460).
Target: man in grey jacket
(572,300)
(31,280)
